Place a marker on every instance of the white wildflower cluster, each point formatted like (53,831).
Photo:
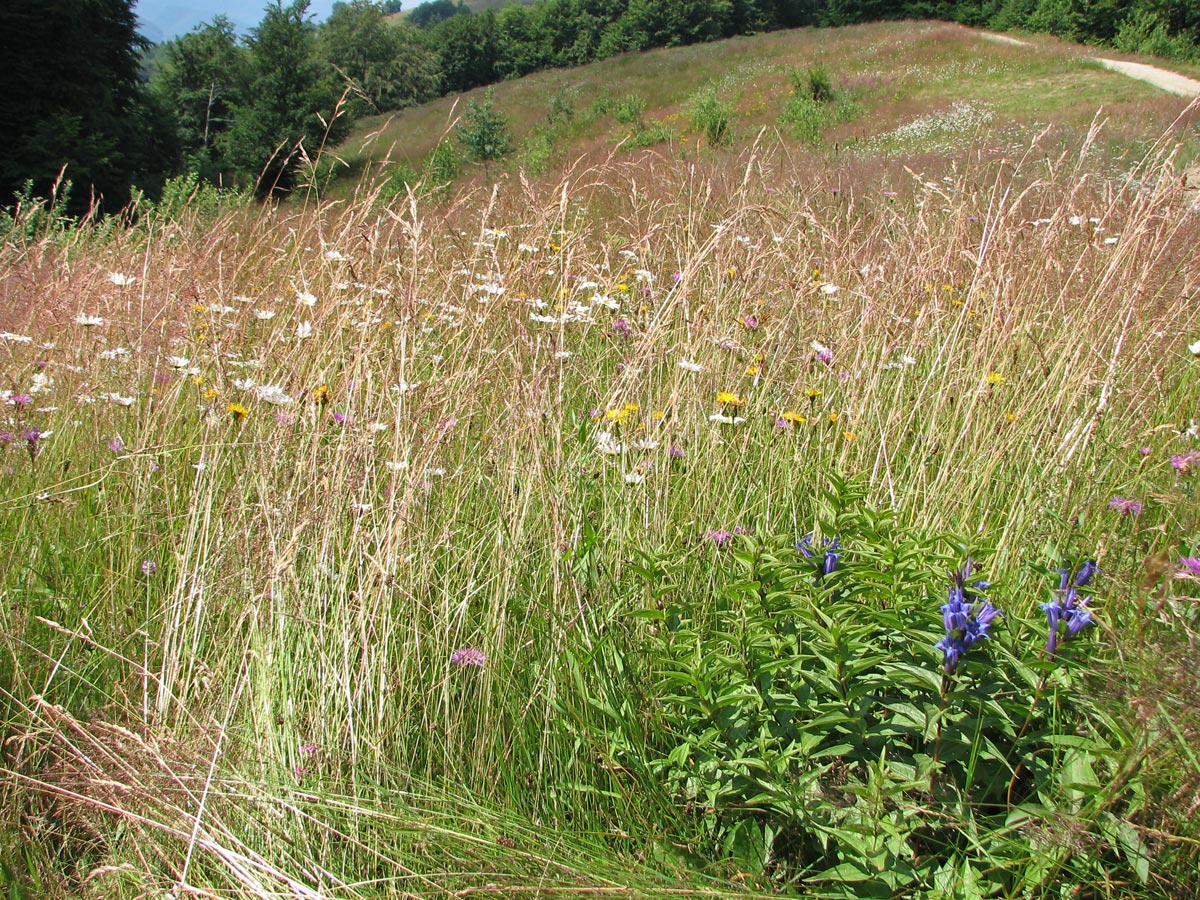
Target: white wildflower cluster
(943,131)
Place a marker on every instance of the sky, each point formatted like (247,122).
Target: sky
(161,20)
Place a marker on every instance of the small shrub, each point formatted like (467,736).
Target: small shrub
(712,117)
(31,218)
(629,110)
(189,194)
(805,118)
(813,83)
(561,108)
(820,85)
(648,136)
(537,151)
(484,131)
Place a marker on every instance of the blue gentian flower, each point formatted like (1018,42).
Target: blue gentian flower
(1068,606)
(966,616)
(832,550)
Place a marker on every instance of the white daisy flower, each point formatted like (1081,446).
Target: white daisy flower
(271,393)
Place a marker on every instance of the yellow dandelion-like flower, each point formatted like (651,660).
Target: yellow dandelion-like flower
(621,414)
(321,394)
(752,371)
(199,307)
(210,393)
(238,411)
(850,435)
(812,393)
(994,378)
(794,417)
(197,379)
(728,398)
(833,417)
(1010,417)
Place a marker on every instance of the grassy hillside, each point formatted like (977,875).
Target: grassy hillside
(631,530)
(906,88)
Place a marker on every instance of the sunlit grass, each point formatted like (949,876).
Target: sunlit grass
(306,454)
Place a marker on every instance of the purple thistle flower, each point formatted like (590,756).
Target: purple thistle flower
(116,444)
(622,327)
(20,401)
(1068,606)
(7,437)
(149,567)
(1126,506)
(966,616)
(468,656)
(1190,566)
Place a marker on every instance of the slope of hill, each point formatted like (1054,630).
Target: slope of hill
(903,88)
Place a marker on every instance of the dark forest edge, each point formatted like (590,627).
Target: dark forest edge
(94,108)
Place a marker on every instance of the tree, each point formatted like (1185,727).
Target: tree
(388,66)
(483,131)
(429,14)
(467,48)
(204,78)
(74,103)
(291,108)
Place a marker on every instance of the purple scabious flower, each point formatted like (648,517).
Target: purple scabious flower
(32,436)
(1184,462)
(719,536)
(468,656)
(1068,606)
(1126,506)
(1190,566)
(966,615)
(830,547)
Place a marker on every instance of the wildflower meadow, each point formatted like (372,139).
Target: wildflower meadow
(741,525)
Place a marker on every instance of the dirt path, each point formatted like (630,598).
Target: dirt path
(1171,82)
